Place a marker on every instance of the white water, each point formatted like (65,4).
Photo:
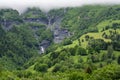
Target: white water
(42,49)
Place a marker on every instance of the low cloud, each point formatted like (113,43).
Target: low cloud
(46,5)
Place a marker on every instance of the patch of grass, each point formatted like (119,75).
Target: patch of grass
(105,23)
(95,35)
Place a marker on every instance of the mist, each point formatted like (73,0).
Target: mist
(46,5)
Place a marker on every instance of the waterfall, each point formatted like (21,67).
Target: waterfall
(42,49)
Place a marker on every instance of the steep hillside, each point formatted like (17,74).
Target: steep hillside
(81,43)
(33,30)
(86,18)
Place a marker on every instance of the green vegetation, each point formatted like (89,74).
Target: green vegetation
(34,13)
(92,52)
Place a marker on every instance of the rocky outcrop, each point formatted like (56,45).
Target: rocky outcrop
(38,20)
(44,45)
(8,24)
(59,33)
(51,21)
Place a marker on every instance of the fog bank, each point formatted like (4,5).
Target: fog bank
(46,5)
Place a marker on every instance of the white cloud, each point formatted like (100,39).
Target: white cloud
(21,5)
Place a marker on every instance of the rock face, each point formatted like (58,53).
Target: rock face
(38,20)
(8,18)
(8,24)
(44,45)
(59,33)
(51,20)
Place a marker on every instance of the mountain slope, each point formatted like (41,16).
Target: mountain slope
(78,43)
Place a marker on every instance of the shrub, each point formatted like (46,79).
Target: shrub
(76,76)
(56,68)
(67,42)
(110,72)
(118,60)
(41,67)
(81,51)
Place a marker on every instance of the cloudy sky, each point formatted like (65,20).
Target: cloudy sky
(21,5)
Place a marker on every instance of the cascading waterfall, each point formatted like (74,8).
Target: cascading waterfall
(42,49)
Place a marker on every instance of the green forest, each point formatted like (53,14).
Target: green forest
(87,47)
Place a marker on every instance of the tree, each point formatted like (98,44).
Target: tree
(56,68)
(72,51)
(109,51)
(80,60)
(76,76)
(1,69)
(88,70)
(109,72)
(87,37)
(90,50)
(41,67)
(67,42)
(54,55)
(63,55)
(79,42)
(95,58)
(118,60)
(96,45)
(104,57)
(81,51)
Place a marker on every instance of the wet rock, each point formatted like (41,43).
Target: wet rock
(44,45)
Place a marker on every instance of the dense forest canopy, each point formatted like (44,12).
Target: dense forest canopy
(80,43)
